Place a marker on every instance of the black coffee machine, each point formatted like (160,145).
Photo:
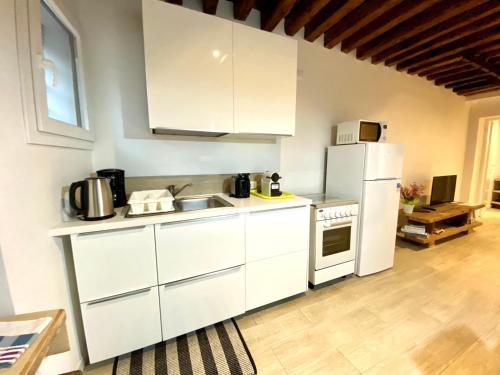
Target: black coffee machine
(240,186)
(117,183)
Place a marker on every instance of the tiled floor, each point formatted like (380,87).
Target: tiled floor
(436,312)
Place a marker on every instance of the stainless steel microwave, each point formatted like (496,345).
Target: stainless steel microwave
(360,131)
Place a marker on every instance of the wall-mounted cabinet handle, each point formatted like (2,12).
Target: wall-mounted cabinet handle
(276,209)
(200,220)
(118,296)
(111,230)
(204,276)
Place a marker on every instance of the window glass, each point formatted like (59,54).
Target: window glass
(59,61)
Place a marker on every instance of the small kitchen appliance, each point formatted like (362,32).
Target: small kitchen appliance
(360,131)
(96,199)
(333,238)
(240,186)
(269,184)
(117,183)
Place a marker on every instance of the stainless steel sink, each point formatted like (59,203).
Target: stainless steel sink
(199,203)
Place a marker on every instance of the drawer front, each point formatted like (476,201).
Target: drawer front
(272,233)
(199,302)
(114,262)
(121,324)
(197,247)
(270,280)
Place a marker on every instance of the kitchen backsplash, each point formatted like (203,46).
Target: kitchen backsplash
(202,184)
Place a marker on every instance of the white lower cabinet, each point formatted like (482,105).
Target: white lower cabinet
(195,303)
(276,232)
(273,279)
(112,262)
(197,247)
(120,324)
(203,274)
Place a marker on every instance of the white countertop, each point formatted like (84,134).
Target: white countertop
(251,204)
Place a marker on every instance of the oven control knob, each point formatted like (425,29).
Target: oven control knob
(328,215)
(348,211)
(338,213)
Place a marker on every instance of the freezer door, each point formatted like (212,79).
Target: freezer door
(383,161)
(379,215)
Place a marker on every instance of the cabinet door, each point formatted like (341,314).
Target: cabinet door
(272,233)
(113,262)
(265,80)
(197,247)
(189,68)
(270,280)
(192,304)
(120,324)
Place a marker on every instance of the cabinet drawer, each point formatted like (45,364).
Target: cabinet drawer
(272,233)
(273,279)
(120,324)
(198,247)
(113,262)
(192,304)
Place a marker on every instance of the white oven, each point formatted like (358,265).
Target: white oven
(335,235)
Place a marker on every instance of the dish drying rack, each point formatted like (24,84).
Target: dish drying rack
(148,202)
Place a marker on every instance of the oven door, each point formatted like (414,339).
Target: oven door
(335,242)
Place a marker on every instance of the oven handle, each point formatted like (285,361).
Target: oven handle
(339,224)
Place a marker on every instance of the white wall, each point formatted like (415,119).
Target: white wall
(430,121)
(31,178)
(114,60)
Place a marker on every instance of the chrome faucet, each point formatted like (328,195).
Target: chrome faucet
(174,191)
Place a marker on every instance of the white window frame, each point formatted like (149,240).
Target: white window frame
(40,128)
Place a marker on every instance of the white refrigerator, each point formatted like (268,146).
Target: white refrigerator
(371,173)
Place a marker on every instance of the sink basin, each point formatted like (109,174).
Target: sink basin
(199,203)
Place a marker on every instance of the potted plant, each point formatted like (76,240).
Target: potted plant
(410,196)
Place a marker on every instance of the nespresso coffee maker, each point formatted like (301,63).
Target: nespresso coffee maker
(117,183)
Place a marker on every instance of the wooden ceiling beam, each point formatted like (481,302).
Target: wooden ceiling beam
(470,80)
(479,90)
(274,12)
(210,6)
(463,19)
(445,63)
(358,18)
(329,16)
(463,44)
(458,77)
(484,65)
(387,21)
(434,15)
(242,8)
(440,68)
(302,14)
(453,71)
(473,85)
(444,40)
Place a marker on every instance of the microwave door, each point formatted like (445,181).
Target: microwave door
(370,131)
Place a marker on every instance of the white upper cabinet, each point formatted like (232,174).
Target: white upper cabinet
(206,75)
(189,69)
(265,82)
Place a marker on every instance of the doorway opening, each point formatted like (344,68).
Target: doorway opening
(489,174)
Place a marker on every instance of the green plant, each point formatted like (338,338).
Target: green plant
(411,194)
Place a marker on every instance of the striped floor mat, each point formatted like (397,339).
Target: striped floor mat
(215,350)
